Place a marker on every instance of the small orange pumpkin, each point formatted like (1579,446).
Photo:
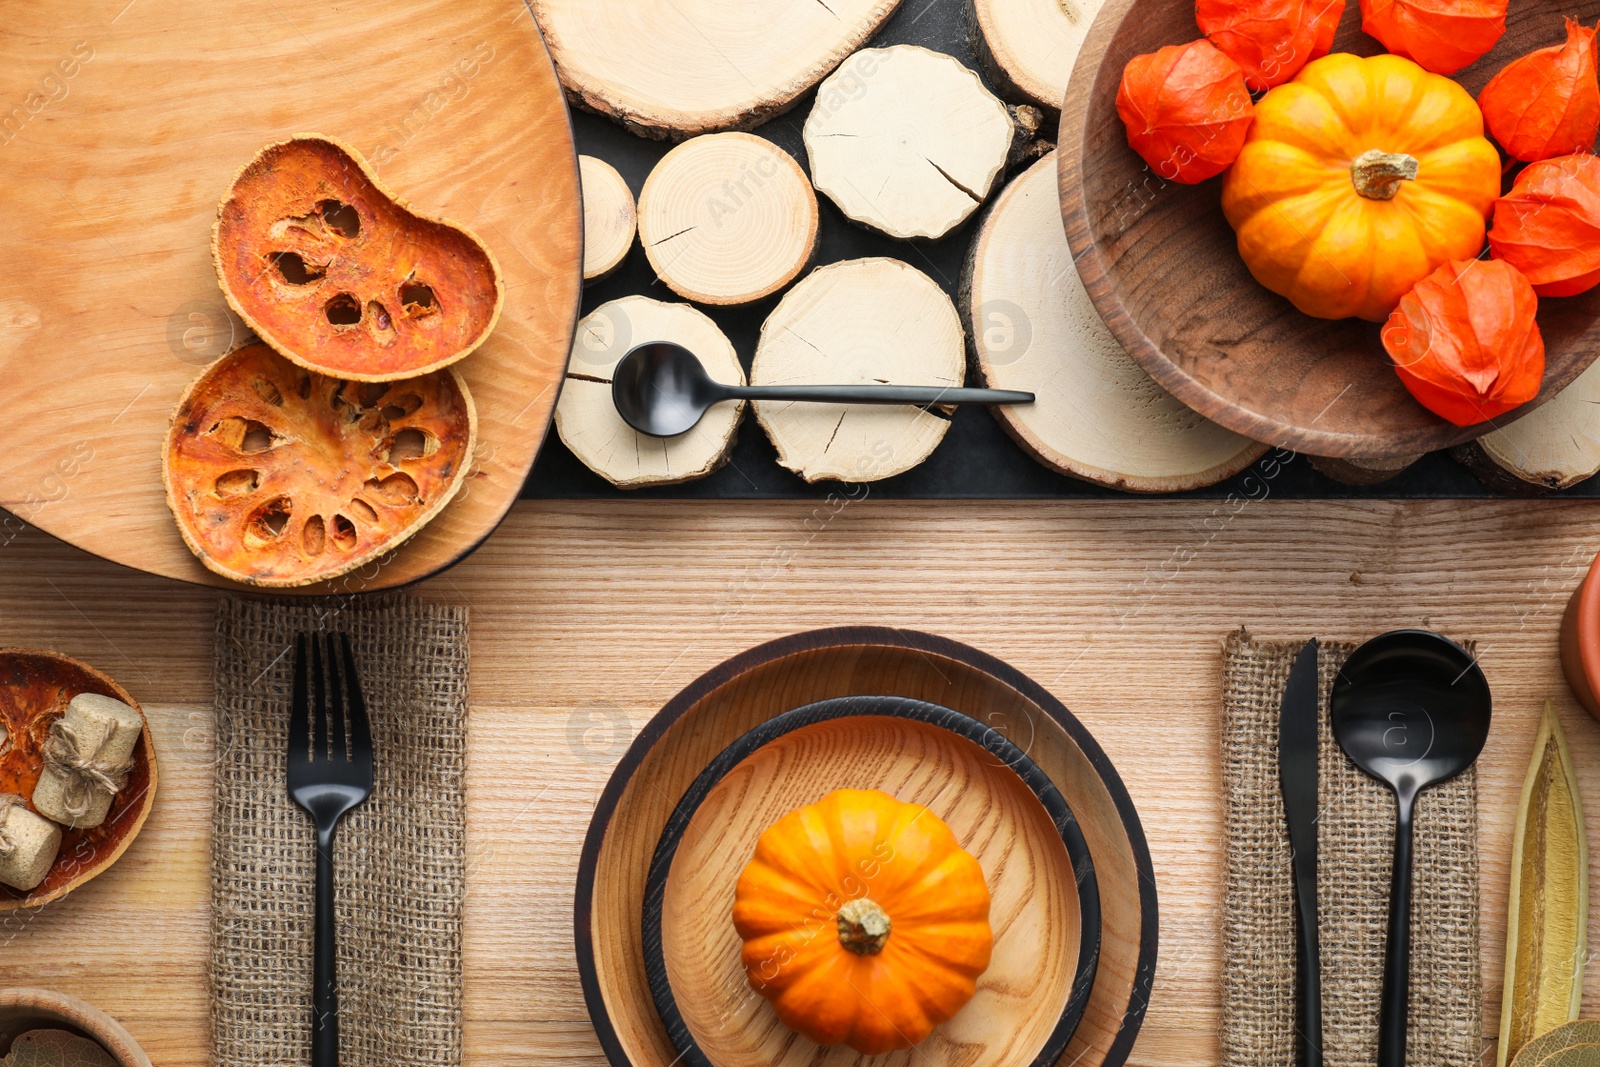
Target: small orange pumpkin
(1357,180)
(864,921)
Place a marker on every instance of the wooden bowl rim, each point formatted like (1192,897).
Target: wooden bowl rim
(842,638)
(1091,262)
(146,745)
(892,707)
(80,1014)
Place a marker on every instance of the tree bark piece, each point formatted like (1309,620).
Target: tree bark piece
(851,323)
(1551,448)
(609,218)
(727,218)
(1028,47)
(907,141)
(675,70)
(1363,471)
(588,421)
(1098,416)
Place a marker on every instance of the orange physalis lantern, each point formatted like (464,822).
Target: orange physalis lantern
(1438,35)
(1270,39)
(1187,110)
(1548,225)
(1465,343)
(1548,102)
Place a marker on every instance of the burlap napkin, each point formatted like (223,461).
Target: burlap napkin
(1355,838)
(400,858)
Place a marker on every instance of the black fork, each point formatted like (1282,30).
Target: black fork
(328,775)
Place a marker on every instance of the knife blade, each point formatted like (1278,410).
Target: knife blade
(1298,720)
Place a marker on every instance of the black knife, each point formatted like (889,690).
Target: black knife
(1297,777)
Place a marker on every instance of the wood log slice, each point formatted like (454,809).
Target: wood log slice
(1028,47)
(848,323)
(907,141)
(1031,325)
(1551,448)
(727,218)
(588,421)
(1370,471)
(665,69)
(609,218)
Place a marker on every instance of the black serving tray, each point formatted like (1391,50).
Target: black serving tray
(976,460)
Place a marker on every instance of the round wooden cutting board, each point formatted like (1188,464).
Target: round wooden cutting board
(121,125)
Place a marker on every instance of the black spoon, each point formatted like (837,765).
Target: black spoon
(661,389)
(1411,708)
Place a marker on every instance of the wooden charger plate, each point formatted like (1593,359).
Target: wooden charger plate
(35,688)
(731,699)
(1162,267)
(1045,903)
(121,126)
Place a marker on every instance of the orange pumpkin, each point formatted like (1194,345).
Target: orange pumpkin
(1357,180)
(864,921)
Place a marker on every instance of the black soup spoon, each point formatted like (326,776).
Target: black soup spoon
(1410,708)
(661,389)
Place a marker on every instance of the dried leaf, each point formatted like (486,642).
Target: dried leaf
(56,1048)
(1582,1032)
(1547,931)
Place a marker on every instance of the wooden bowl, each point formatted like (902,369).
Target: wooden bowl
(1580,640)
(1045,904)
(1162,267)
(22,1010)
(737,696)
(35,688)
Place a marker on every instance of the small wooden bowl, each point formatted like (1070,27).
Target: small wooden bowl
(1580,640)
(1162,267)
(737,696)
(1045,903)
(35,688)
(22,1010)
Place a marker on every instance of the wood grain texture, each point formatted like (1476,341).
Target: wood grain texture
(589,616)
(610,218)
(664,69)
(1035,911)
(1553,448)
(22,1010)
(1030,325)
(118,138)
(1027,46)
(1162,266)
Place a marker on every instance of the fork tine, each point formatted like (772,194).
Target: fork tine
(336,720)
(360,729)
(319,739)
(300,709)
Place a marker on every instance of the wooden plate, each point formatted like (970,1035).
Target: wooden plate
(35,688)
(22,1010)
(121,126)
(1162,267)
(737,696)
(1045,907)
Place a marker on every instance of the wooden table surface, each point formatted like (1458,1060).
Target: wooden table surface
(588,616)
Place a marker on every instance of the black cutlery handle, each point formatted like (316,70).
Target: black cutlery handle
(880,394)
(1397,958)
(1308,976)
(324,966)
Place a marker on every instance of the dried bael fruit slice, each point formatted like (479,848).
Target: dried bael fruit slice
(280,477)
(343,277)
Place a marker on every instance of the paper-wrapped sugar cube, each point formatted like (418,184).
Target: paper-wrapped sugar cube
(86,760)
(28,844)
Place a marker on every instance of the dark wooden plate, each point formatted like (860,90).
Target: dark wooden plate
(731,699)
(35,688)
(1161,264)
(1002,807)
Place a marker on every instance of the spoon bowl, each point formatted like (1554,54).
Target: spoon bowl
(1410,708)
(662,390)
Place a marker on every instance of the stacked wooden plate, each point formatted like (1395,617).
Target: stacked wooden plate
(689,743)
